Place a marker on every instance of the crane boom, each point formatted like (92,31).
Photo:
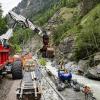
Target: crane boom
(21,20)
(24,21)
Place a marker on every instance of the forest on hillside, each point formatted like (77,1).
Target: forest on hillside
(3,22)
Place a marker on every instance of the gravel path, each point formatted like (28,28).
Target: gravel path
(12,93)
(5,86)
(48,92)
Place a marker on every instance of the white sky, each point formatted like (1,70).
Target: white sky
(7,5)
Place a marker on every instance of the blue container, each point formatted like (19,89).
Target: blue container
(64,76)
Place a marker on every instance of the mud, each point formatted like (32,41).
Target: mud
(5,86)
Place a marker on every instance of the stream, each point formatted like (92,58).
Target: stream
(95,85)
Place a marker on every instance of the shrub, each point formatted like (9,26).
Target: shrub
(72,3)
(42,61)
(88,40)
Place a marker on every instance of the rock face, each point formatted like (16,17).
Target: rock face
(67,47)
(31,7)
(36,44)
(87,5)
(94,73)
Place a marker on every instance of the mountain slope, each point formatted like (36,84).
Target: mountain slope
(31,7)
(65,15)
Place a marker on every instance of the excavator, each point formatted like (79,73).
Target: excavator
(5,49)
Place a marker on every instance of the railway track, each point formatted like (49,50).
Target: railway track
(53,88)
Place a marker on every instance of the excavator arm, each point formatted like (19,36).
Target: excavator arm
(46,50)
(24,22)
(19,19)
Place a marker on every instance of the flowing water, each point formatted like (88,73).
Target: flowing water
(95,85)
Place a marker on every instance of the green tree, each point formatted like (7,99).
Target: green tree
(3,23)
(0,11)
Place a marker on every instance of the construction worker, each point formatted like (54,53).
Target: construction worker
(23,61)
(61,67)
(86,91)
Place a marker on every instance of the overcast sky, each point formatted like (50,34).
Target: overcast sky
(7,5)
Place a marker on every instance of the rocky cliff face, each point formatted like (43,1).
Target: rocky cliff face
(31,7)
(87,5)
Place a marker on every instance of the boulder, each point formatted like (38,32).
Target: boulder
(94,73)
(71,66)
(98,69)
(83,65)
(97,58)
(71,56)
